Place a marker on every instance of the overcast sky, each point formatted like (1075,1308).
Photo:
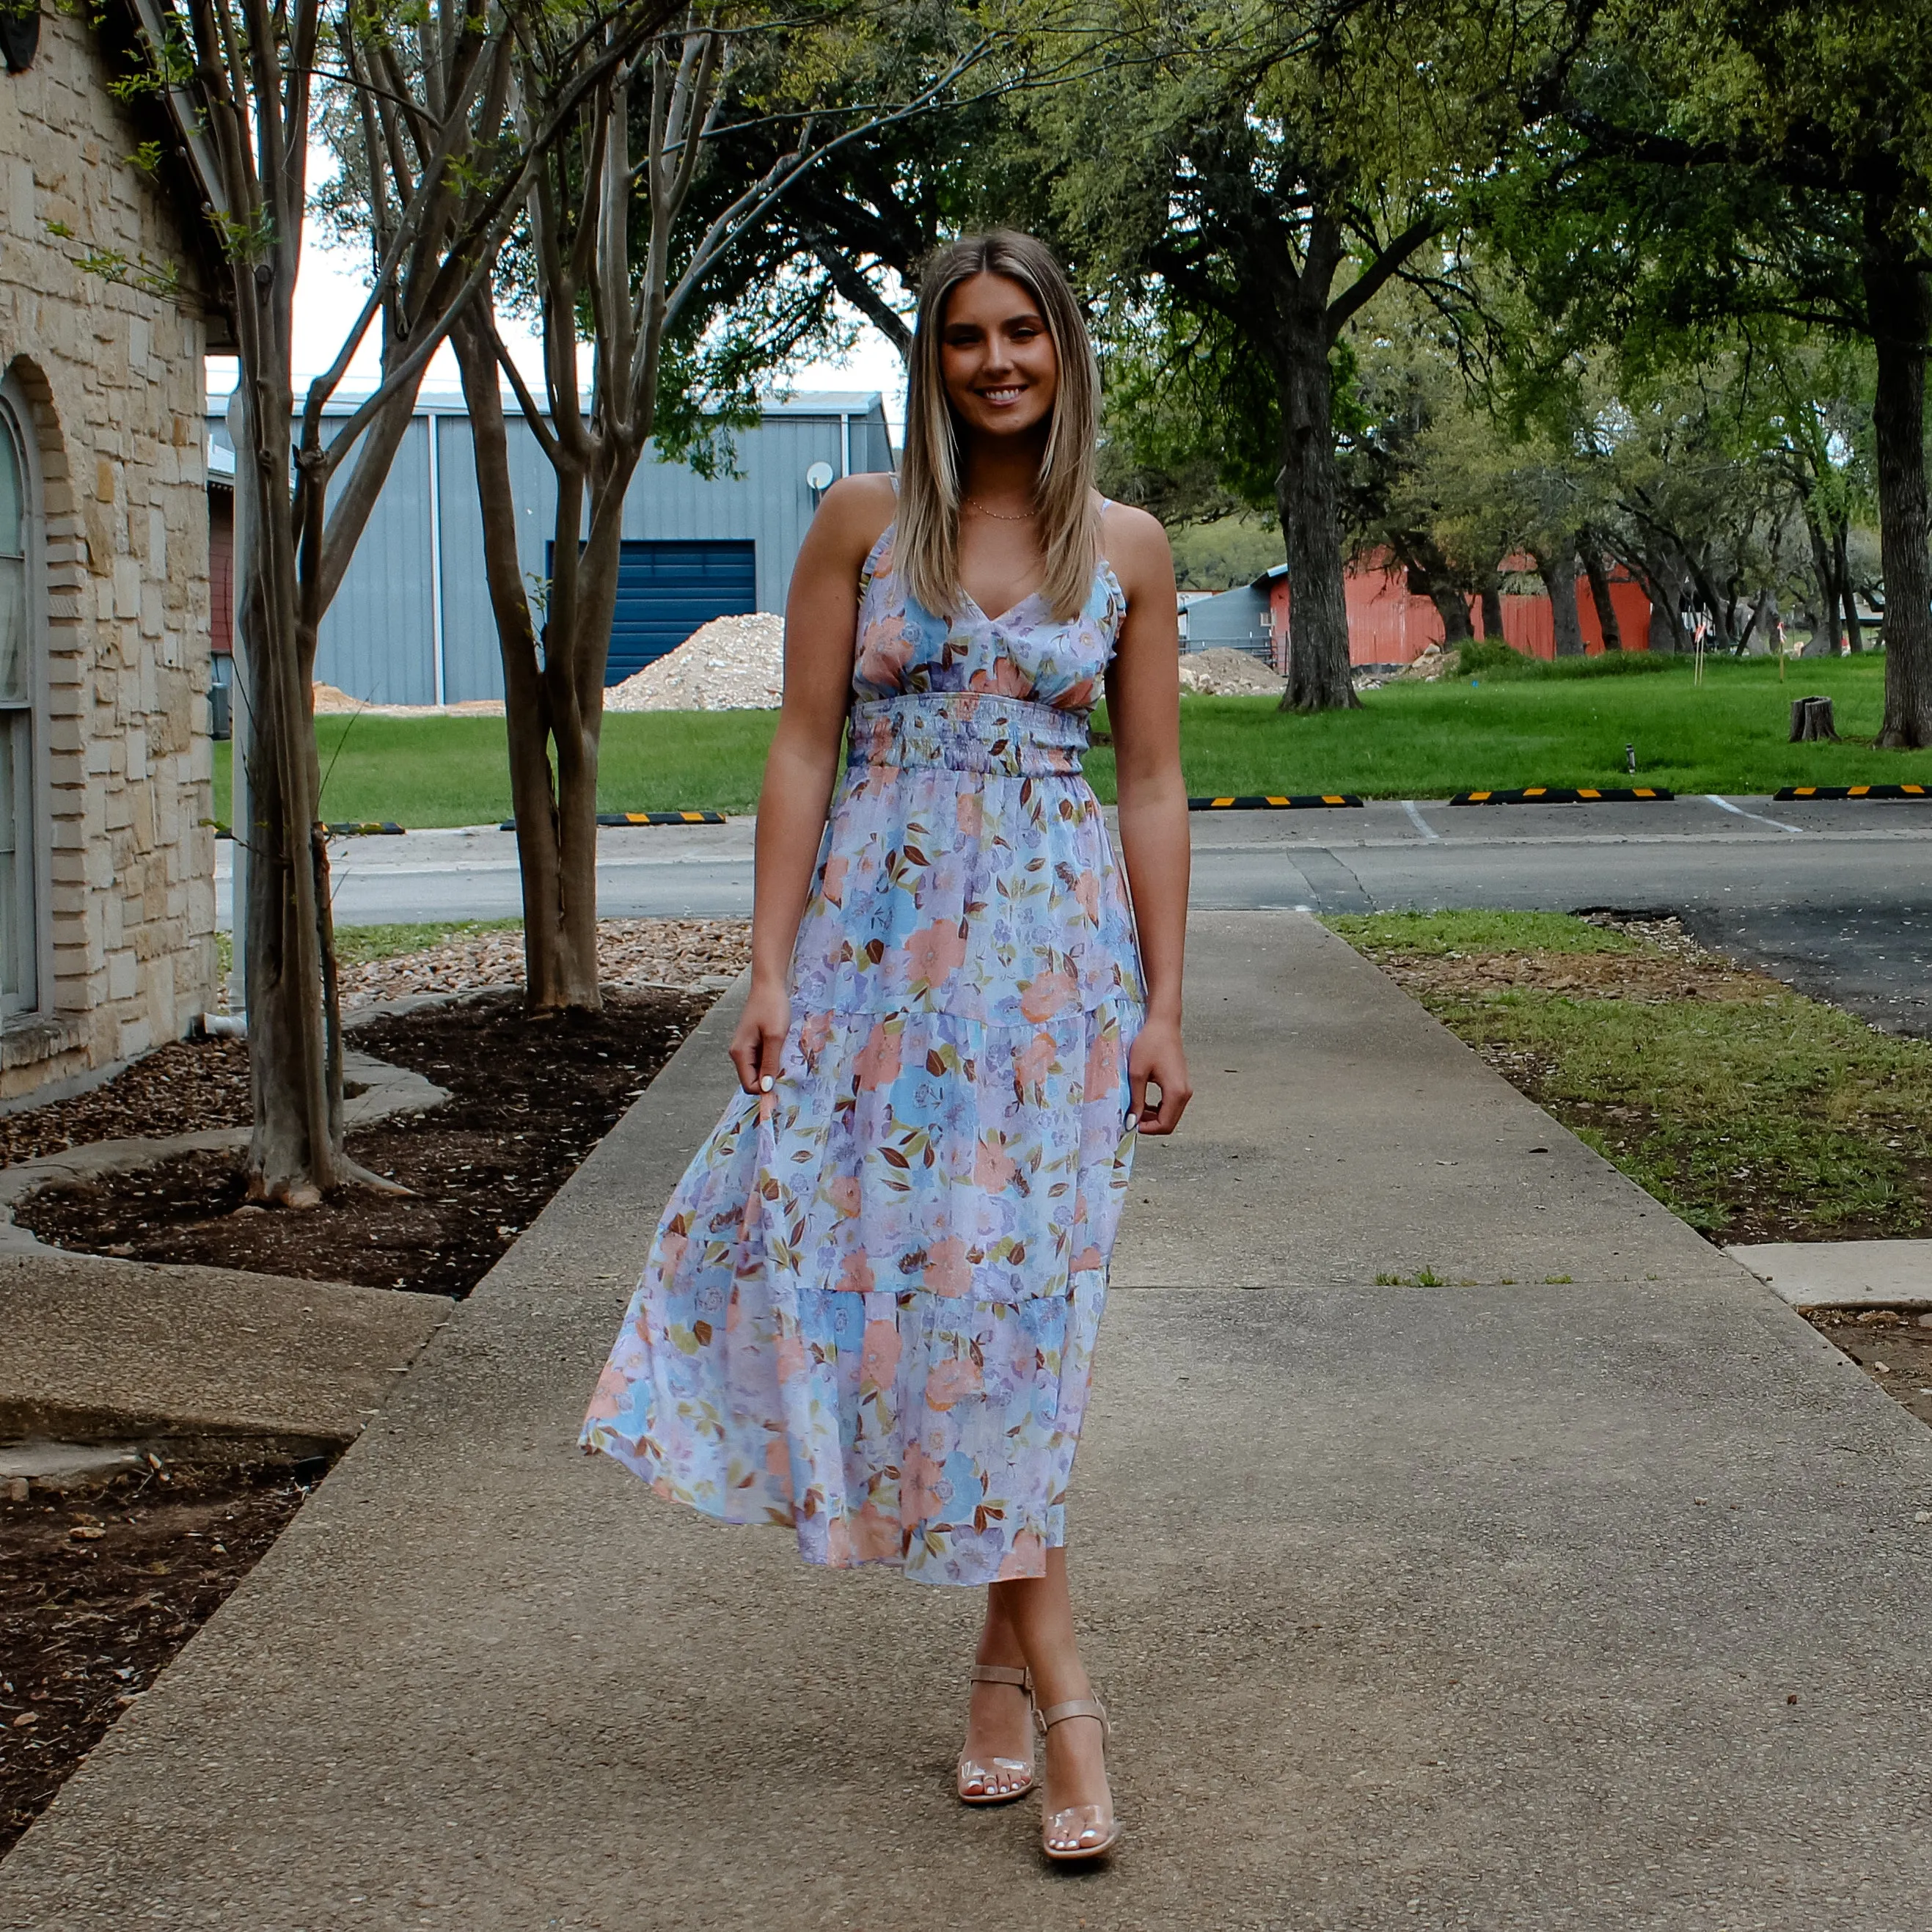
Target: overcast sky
(330,292)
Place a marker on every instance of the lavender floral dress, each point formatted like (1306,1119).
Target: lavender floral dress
(871,1307)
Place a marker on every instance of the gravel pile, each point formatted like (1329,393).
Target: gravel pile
(691,954)
(732,664)
(1224,672)
(332,703)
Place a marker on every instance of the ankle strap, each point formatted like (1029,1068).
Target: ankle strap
(1002,1673)
(1074,1707)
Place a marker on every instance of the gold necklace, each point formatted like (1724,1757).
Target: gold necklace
(1001,516)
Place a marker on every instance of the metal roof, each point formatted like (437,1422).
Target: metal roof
(450,403)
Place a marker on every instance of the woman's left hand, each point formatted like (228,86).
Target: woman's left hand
(1156,1059)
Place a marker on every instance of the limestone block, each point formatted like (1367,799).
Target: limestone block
(123,974)
(126,587)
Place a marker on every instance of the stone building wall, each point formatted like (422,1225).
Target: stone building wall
(111,373)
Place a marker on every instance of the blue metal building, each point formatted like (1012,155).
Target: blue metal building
(412,623)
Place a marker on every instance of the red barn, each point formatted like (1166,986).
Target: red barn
(1389,624)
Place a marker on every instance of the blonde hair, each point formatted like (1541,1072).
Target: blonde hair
(928,544)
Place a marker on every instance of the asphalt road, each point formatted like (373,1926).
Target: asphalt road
(1835,896)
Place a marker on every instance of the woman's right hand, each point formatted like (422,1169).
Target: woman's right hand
(759,1039)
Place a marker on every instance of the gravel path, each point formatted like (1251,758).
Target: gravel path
(694,955)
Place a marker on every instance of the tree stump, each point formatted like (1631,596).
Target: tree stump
(1811,719)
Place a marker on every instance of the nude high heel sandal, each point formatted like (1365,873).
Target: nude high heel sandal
(1070,1825)
(988,1777)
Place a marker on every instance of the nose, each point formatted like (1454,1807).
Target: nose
(998,354)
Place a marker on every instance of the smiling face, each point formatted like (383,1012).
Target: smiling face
(997,357)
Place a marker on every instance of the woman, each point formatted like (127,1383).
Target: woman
(871,1308)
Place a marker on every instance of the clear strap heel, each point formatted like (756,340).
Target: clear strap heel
(1064,1836)
(997,1781)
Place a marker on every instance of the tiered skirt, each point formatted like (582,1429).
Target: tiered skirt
(870,1310)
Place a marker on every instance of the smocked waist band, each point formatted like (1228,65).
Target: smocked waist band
(968,731)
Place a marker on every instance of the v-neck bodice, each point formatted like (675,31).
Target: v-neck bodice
(904,650)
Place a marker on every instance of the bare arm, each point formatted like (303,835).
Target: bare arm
(1144,709)
(821,620)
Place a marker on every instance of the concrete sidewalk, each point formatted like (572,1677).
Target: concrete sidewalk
(1522,1604)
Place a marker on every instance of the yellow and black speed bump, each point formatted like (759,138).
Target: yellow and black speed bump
(1791,793)
(644,818)
(1307,801)
(1568,795)
(367,828)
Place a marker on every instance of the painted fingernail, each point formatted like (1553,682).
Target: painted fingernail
(1133,1121)
(765,1083)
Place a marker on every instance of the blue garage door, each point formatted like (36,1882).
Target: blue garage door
(666,590)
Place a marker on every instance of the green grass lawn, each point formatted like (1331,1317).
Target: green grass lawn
(456,771)
(1728,734)
(1753,1112)
(1563,726)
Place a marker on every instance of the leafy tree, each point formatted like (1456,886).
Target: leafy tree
(645,240)
(1247,177)
(1706,169)
(447,164)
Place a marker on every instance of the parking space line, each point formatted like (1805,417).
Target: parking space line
(1778,824)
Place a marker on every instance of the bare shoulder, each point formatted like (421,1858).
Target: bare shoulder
(1136,546)
(857,509)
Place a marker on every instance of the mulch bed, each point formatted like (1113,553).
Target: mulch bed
(529,1099)
(99,1589)
(179,1089)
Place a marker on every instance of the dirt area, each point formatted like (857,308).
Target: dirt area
(1893,1345)
(100,1588)
(529,1099)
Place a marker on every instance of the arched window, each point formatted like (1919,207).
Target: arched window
(19,603)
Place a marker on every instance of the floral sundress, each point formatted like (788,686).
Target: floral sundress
(870,1310)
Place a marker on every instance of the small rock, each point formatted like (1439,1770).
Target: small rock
(87,1532)
(18,1489)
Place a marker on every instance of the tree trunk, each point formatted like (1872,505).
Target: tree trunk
(1453,609)
(577,648)
(1599,596)
(1318,677)
(1823,569)
(295,1148)
(1854,630)
(1492,608)
(1896,301)
(533,793)
(1557,567)
(1430,578)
